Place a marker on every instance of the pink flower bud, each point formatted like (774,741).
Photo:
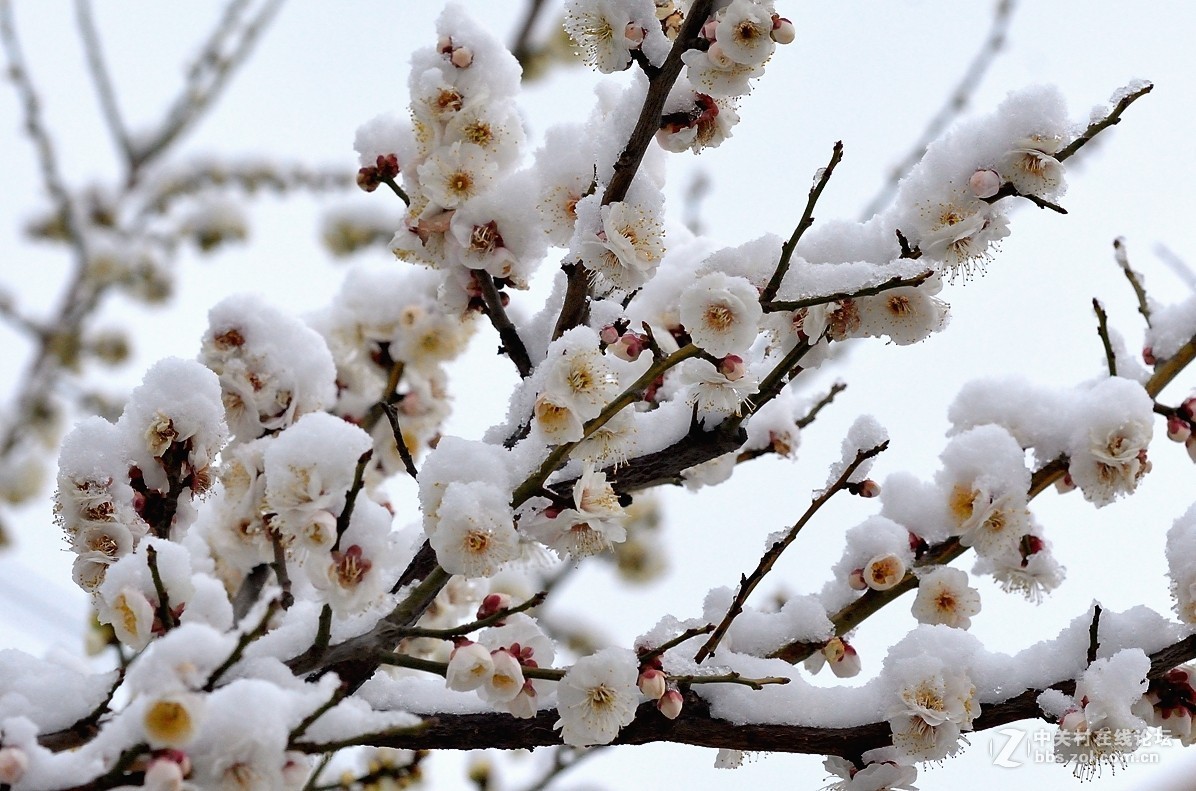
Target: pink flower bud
(1148,355)
(670,704)
(629,346)
(493,603)
(652,683)
(1065,484)
(985,183)
(444,45)
(867,488)
(1178,429)
(782,30)
(1187,409)
(608,334)
(844,661)
(164,774)
(709,29)
(462,57)
(856,580)
(732,367)
(634,34)
(13,763)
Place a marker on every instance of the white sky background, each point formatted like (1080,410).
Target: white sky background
(869,74)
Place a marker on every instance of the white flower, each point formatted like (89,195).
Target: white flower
(745,32)
(597,697)
(879,776)
(934,705)
(991,522)
(578,376)
(557,421)
(960,233)
(1112,463)
(1031,167)
(474,534)
(456,173)
(173,720)
(906,315)
(721,313)
(945,597)
(627,247)
(719,77)
(600,28)
(712,391)
(591,526)
(884,571)
(469,666)
(131,615)
(505,680)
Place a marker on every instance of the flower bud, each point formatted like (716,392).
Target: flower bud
(652,683)
(782,30)
(1148,355)
(634,34)
(608,334)
(884,571)
(164,774)
(1187,409)
(1178,429)
(462,57)
(13,763)
(985,183)
(493,603)
(844,661)
(867,488)
(856,580)
(732,367)
(670,704)
(709,29)
(1065,484)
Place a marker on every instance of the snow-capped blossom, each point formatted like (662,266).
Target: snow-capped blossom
(906,315)
(131,616)
(884,571)
(744,32)
(878,776)
(474,532)
(556,420)
(960,233)
(1169,703)
(566,171)
(495,127)
(498,232)
(1031,166)
(456,173)
(1112,461)
(1031,571)
(597,697)
(576,375)
(356,574)
(593,524)
(945,597)
(934,704)
(309,469)
(712,392)
(985,520)
(721,314)
(1103,726)
(623,241)
(172,720)
(606,31)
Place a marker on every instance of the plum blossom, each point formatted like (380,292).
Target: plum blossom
(598,697)
(721,313)
(626,244)
(934,704)
(944,597)
(744,32)
(474,533)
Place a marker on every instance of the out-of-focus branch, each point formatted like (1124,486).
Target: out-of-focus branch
(522,47)
(1123,261)
(982,61)
(102,79)
(226,49)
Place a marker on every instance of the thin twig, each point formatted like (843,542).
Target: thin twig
(1096,127)
(346,514)
(1093,631)
(242,643)
(162,610)
(807,219)
(1123,260)
(730,678)
(473,626)
(869,291)
(822,403)
(392,415)
(647,656)
(102,79)
(1102,329)
(773,554)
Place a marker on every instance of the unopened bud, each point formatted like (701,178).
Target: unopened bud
(493,603)
(1178,429)
(1065,484)
(608,334)
(462,57)
(634,34)
(629,346)
(13,763)
(1148,355)
(856,580)
(652,683)
(985,183)
(670,704)
(164,774)
(867,488)
(709,29)
(732,367)
(444,45)
(1187,409)
(844,661)
(782,30)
